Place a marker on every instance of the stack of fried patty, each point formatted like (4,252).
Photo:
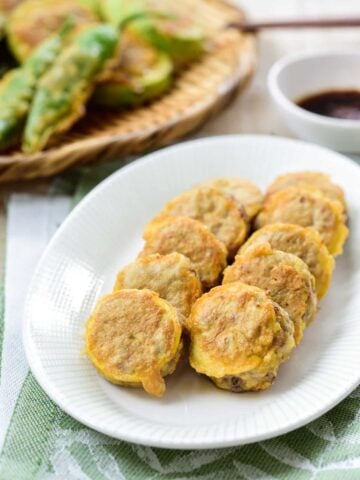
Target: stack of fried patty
(241,301)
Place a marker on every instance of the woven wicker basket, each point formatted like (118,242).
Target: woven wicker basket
(199,92)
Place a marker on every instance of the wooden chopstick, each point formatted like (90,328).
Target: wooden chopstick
(248,26)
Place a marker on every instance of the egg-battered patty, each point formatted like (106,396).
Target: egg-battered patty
(284,277)
(239,337)
(243,192)
(215,210)
(133,337)
(302,242)
(191,238)
(172,276)
(308,209)
(319,180)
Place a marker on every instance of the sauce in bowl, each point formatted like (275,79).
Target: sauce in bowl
(343,104)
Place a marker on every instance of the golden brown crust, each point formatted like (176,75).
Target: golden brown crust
(308,209)
(284,277)
(135,57)
(243,192)
(302,242)
(191,238)
(237,331)
(171,276)
(34,21)
(133,338)
(216,211)
(319,180)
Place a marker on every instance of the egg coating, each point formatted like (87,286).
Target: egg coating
(172,276)
(308,209)
(191,238)
(216,211)
(319,180)
(33,21)
(302,242)
(239,337)
(243,192)
(133,337)
(285,278)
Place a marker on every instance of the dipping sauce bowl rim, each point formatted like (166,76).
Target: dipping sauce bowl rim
(291,105)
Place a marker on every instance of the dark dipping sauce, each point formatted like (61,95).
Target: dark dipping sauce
(343,104)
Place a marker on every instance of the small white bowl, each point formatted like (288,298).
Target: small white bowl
(297,76)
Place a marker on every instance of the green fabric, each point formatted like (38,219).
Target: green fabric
(42,442)
(27,438)
(91,176)
(39,442)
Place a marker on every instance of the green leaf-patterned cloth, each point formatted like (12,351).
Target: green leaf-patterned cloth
(44,443)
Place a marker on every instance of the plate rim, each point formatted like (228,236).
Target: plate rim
(46,385)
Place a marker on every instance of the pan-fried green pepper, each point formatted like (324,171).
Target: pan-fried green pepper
(115,11)
(140,74)
(167,26)
(179,37)
(17,87)
(63,91)
(33,21)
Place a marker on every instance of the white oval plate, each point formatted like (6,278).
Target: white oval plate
(104,233)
